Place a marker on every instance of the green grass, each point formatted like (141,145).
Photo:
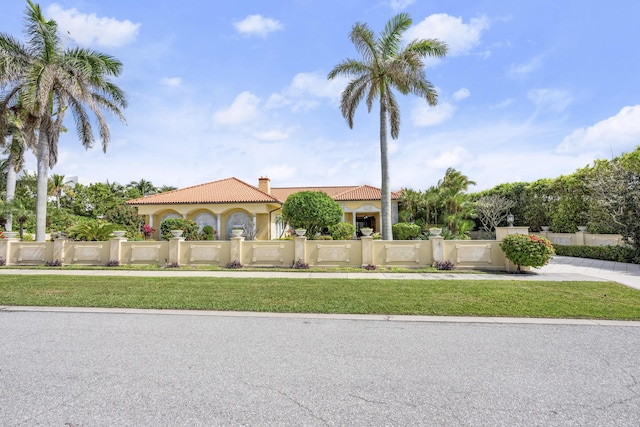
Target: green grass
(508,298)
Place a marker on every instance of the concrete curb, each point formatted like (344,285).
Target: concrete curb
(353,317)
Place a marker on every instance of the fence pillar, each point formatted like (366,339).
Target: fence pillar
(579,238)
(5,250)
(437,248)
(300,251)
(174,250)
(502,232)
(115,249)
(235,253)
(367,250)
(58,250)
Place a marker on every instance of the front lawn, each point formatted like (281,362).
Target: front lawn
(504,298)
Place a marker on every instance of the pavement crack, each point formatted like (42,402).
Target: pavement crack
(367,400)
(299,404)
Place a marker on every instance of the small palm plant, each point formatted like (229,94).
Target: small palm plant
(92,230)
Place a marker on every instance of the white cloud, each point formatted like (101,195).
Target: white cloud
(553,100)
(460,37)
(305,90)
(502,104)
(272,135)
(279,172)
(257,25)
(171,81)
(398,5)
(452,157)
(521,70)
(461,94)
(424,115)
(87,30)
(243,109)
(620,132)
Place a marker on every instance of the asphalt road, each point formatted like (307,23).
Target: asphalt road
(106,369)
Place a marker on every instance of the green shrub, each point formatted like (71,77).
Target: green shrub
(208,233)
(342,231)
(606,253)
(322,237)
(188,226)
(405,231)
(527,250)
(92,230)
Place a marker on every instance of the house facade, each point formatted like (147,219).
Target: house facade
(229,203)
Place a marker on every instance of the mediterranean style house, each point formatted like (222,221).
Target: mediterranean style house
(230,202)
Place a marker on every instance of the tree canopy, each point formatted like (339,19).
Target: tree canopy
(311,210)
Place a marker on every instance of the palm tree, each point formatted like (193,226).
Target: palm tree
(143,186)
(22,215)
(386,66)
(14,148)
(57,185)
(166,188)
(49,80)
(456,203)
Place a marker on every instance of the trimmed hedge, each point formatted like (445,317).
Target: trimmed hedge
(605,253)
(405,231)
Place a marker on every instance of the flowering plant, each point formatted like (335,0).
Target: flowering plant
(147,230)
(527,250)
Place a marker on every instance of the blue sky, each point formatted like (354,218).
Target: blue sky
(529,90)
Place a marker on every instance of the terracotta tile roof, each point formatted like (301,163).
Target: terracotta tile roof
(340,193)
(233,190)
(230,190)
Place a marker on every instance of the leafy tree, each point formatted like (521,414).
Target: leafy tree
(93,200)
(188,226)
(617,191)
(311,210)
(125,216)
(386,66)
(50,80)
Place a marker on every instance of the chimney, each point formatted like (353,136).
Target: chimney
(264,185)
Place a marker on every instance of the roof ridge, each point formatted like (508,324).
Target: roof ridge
(350,190)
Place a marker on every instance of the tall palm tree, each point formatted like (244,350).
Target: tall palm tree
(49,80)
(386,65)
(57,185)
(14,147)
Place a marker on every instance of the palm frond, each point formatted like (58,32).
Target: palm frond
(365,42)
(351,97)
(391,37)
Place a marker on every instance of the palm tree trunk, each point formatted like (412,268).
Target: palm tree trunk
(43,179)
(11,187)
(385,202)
